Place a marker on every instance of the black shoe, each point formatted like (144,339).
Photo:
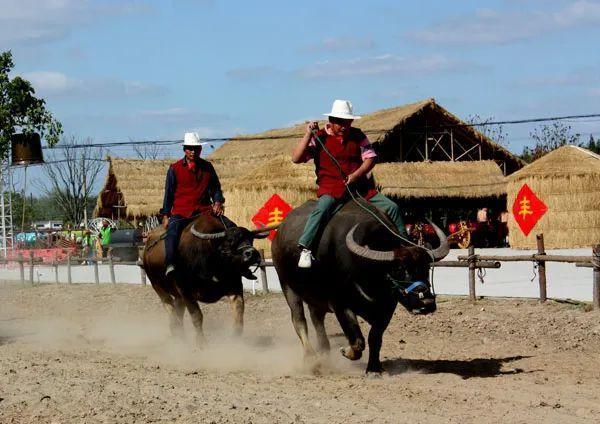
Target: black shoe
(248,275)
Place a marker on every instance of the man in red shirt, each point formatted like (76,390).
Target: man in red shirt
(192,188)
(354,159)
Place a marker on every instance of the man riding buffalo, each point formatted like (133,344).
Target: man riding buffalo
(204,254)
(343,159)
(362,266)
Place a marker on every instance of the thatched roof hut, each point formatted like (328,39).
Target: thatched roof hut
(133,188)
(567,180)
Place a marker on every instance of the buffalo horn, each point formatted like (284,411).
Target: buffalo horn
(443,249)
(264,231)
(206,236)
(365,252)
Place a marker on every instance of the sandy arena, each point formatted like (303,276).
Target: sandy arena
(91,354)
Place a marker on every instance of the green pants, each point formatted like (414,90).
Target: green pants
(326,206)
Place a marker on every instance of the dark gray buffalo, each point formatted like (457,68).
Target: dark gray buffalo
(210,262)
(360,268)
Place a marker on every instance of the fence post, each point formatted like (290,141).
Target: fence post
(22,268)
(471,260)
(55,265)
(143,276)
(96,276)
(111,267)
(263,272)
(596,263)
(69,277)
(31,267)
(541,267)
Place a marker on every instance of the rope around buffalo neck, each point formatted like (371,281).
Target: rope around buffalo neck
(387,227)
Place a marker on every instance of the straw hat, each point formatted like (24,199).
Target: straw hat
(191,139)
(342,109)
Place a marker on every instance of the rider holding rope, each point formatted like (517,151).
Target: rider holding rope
(343,158)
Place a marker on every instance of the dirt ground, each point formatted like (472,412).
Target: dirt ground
(86,353)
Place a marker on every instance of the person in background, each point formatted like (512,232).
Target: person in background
(87,247)
(104,235)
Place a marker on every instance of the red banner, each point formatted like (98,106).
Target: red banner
(528,209)
(273,212)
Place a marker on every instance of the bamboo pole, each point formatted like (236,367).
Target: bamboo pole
(69,276)
(96,275)
(55,265)
(541,267)
(111,267)
(31,267)
(472,260)
(21,268)
(529,258)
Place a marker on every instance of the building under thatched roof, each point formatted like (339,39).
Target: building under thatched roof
(133,188)
(415,132)
(567,180)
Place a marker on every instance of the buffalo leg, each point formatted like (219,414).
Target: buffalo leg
(197,319)
(174,306)
(237,306)
(317,316)
(349,323)
(375,339)
(298,319)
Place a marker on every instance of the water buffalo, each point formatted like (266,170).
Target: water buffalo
(209,265)
(360,268)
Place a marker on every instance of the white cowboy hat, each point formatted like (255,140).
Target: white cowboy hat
(342,109)
(191,139)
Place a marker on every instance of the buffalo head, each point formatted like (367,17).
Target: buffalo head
(408,270)
(234,245)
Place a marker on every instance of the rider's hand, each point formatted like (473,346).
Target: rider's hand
(217,208)
(351,178)
(165,222)
(312,126)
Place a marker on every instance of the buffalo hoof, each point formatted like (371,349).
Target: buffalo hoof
(374,375)
(350,353)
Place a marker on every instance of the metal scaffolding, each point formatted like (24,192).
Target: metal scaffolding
(6,222)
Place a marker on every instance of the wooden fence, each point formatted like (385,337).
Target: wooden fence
(472,261)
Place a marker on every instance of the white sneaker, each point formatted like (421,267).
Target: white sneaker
(305,260)
(169,270)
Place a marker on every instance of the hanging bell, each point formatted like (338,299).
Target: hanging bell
(26,149)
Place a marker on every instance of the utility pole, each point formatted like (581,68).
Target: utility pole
(85,195)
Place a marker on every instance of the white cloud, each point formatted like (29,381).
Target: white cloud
(336,44)
(55,84)
(40,21)
(487,26)
(578,77)
(387,64)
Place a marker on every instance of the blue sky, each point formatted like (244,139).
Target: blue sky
(121,70)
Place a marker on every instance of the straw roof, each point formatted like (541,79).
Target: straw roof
(567,180)
(240,155)
(137,184)
(564,161)
(440,179)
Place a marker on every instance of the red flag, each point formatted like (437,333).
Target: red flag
(273,212)
(528,209)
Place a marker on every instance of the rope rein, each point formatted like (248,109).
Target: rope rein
(368,210)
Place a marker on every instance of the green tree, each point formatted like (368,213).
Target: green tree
(547,138)
(20,110)
(593,145)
